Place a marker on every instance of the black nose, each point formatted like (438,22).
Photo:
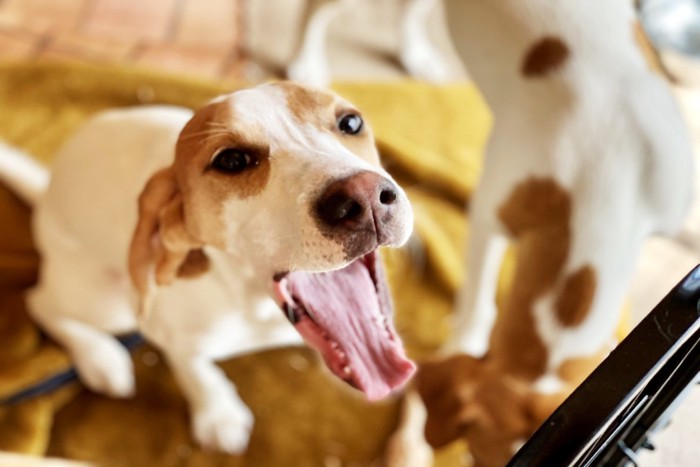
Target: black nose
(360,202)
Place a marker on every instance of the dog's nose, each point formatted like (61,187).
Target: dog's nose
(361,202)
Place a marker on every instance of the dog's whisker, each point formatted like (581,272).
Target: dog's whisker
(217,125)
(206,133)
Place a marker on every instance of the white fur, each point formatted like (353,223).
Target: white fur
(25,176)
(83,228)
(604,127)
(417,54)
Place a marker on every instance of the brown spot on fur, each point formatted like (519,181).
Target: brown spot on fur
(491,402)
(537,214)
(196,263)
(472,398)
(322,110)
(544,57)
(308,105)
(576,297)
(444,386)
(211,130)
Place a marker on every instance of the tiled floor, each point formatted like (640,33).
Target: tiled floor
(193,37)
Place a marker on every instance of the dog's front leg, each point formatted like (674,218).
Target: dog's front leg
(220,420)
(475,311)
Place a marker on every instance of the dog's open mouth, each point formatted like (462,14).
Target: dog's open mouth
(346,315)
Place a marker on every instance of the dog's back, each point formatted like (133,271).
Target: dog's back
(91,198)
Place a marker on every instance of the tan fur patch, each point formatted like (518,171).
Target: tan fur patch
(545,56)
(209,131)
(537,214)
(491,401)
(196,263)
(576,297)
(471,398)
(322,110)
(307,105)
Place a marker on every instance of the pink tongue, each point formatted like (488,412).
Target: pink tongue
(347,310)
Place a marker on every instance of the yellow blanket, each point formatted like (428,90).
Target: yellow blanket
(430,139)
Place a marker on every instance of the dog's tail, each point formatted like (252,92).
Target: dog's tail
(22,174)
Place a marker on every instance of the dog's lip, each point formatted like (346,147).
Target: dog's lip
(278,276)
(353,330)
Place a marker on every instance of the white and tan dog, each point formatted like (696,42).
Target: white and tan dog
(214,214)
(588,157)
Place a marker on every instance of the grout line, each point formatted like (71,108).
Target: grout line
(86,11)
(135,52)
(231,58)
(175,21)
(42,45)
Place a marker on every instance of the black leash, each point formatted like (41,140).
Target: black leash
(50,384)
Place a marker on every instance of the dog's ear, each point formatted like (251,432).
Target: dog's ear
(161,243)
(447,388)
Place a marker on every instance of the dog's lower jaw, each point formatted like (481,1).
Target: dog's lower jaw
(346,316)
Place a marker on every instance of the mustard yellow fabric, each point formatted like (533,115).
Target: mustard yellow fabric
(430,138)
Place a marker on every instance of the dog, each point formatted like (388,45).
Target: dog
(417,54)
(196,228)
(588,156)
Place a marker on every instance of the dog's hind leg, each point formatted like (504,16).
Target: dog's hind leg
(220,420)
(80,305)
(102,363)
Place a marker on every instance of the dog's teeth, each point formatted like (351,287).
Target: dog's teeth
(311,315)
(342,354)
(291,315)
(334,345)
(347,370)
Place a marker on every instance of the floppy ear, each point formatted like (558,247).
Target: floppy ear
(161,242)
(447,388)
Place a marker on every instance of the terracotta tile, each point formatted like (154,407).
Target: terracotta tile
(89,47)
(18,44)
(185,59)
(235,67)
(213,23)
(43,15)
(57,54)
(16,20)
(149,20)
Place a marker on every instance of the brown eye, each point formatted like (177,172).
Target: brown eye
(350,124)
(233,161)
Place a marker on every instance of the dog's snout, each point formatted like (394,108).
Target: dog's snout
(360,202)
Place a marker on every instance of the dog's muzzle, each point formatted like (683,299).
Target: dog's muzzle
(360,212)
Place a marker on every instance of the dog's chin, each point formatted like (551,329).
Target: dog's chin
(346,315)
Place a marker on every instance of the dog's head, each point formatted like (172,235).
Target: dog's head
(287,181)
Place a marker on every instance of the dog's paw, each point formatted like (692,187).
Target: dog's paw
(106,367)
(224,427)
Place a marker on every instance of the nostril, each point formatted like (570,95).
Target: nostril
(339,207)
(387,196)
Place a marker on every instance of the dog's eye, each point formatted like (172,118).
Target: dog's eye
(350,124)
(233,161)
